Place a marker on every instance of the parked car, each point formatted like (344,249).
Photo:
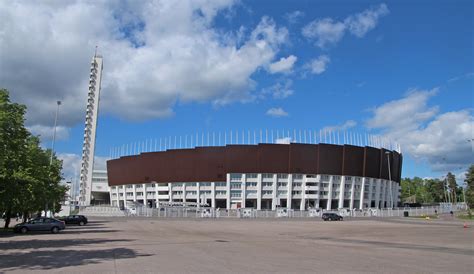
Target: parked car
(40,224)
(332,217)
(75,219)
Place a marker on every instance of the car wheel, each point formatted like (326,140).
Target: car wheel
(81,223)
(54,230)
(23,230)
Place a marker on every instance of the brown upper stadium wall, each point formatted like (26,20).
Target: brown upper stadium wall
(211,164)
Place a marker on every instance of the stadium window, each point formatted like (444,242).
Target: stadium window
(252,175)
(282,176)
(235,176)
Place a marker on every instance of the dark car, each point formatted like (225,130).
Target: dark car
(75,219)
(40,224)
(332,217)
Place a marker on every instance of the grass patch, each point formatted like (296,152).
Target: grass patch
(4,231)
(465,217)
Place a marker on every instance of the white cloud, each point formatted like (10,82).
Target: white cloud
(347,125)
(279,90)
(71,165)
(438,139)
(294,16)
(150,50)
(459,77)
(327,31)
(284,65)
(361,23)
(318,65)
(277,112)
(46,132)
(284,140)
(404,114)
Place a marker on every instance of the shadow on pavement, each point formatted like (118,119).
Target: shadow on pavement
(34,244)
(53,259)
(80,231)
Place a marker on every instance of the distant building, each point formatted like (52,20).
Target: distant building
(100,193)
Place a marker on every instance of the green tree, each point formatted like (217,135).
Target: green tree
(28,182)
(470,186)
(435,188)
(13,141)
(451,179)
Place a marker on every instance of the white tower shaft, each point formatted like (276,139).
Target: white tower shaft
(90,129)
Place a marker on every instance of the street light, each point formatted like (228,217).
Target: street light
(54,132)
(389,178)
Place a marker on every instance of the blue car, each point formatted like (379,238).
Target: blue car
(40,224)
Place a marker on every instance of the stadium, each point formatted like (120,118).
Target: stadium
(261,176)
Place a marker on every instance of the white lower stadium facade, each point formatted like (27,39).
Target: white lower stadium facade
(266,191)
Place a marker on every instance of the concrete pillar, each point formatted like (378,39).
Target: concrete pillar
(184,192)
(170,192)
(213,194)
(377,192)
(362,190)
(117,192)
(228,191)
(259,191)
(157,200)
(389,191)
(274,192)
(328,207)
(342,188)
(318,180)
(124,189)
(303,194)
(384,190)
(134,193)
(351,202)
(198,193)
(290,191)
(243,188)
(371,186)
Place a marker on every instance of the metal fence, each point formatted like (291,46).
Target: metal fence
(193,212)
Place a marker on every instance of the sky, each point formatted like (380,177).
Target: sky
(400,70)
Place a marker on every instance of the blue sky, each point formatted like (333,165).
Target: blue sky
(399,69)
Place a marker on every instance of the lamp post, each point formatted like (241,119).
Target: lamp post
(54,132)
(389,178)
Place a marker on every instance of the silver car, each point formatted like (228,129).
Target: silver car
(40,224)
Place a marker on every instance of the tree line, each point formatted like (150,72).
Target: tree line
(429,191)
(29,180)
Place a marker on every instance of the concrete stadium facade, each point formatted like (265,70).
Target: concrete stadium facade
(263,176)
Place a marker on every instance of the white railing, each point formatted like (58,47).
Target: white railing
(206,212)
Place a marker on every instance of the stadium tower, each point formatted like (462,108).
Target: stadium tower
(90,130)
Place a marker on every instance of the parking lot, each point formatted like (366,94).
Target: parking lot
(141,245)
